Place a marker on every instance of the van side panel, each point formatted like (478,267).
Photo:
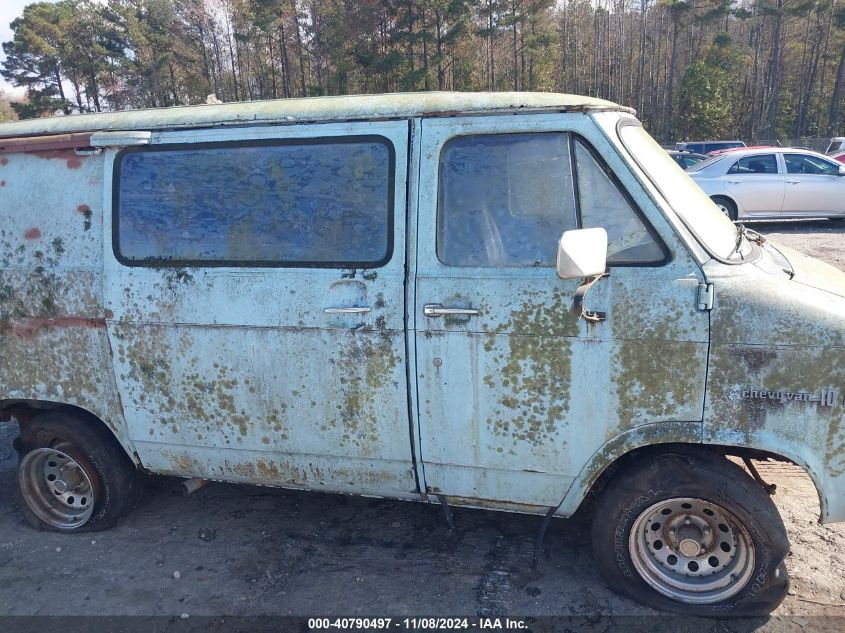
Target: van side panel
(288,374)
(53,341)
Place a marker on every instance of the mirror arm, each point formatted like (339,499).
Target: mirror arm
(578,309)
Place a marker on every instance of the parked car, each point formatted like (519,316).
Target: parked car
(840,156)
(686,159)
(773,183)
(716,152)
(405,296)
(705,147)
(837,143)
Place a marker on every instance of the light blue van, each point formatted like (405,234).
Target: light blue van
(511,301)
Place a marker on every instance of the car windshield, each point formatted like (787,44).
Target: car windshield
(710,226)
(704,164)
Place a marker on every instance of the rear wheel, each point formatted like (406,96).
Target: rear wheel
(693,534)
(72,476)
(726,206)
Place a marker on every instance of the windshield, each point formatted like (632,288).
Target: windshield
(706,163)
(710,226)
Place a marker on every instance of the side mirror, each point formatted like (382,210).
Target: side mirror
(582,253)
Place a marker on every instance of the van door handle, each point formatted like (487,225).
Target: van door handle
(435,310)
(349,310)
(734,182)
(794,182)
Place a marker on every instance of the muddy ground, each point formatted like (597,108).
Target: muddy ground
(239,550)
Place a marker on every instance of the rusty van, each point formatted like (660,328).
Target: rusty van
(510,301)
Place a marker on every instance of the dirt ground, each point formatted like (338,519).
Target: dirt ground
(242,551)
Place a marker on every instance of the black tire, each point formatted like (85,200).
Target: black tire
(112,475)
(728,204)
(640,487)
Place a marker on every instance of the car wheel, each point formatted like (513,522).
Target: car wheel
(72,477)
(691,534)
(726,206)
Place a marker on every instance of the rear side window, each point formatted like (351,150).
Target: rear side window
(505,200)
(764,164)
(804,164)
(321,202)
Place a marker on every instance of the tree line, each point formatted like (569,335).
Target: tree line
(692,68)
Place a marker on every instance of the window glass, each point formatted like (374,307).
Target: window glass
(804,164)
(604,205)
(687,200)
(758,164)
(313,203)
(504,199)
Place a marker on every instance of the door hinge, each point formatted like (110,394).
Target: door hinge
(705,296)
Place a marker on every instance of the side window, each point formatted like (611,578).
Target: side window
(759,164)
(602,204)
(504,199)
(803,164)
(321,202)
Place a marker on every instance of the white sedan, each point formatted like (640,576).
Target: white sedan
(773,183)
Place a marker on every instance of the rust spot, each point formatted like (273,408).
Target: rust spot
(32,234)
(4,161)
(2,183)
(84,210)
(68,155)
(30,328)
(109,314)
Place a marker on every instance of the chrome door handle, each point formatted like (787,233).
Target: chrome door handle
(350,310)
(436,310)
(794,182)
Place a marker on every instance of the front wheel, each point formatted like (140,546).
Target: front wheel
(726,206)
(692,534)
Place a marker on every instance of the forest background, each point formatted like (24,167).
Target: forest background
(750,69)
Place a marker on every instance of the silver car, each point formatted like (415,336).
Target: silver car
(758,184)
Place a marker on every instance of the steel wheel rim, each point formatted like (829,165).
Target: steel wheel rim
(661,546)
(56,488)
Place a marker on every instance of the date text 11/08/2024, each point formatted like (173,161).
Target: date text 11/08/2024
(415,624)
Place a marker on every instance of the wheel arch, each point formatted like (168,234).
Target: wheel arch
(664,438)
(23,411)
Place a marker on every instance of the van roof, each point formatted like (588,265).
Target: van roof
(312,109)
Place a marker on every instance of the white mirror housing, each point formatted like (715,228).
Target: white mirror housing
(582,253)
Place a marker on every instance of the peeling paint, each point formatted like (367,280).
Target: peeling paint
(773,333)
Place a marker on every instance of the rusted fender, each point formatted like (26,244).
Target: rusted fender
(619,445)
